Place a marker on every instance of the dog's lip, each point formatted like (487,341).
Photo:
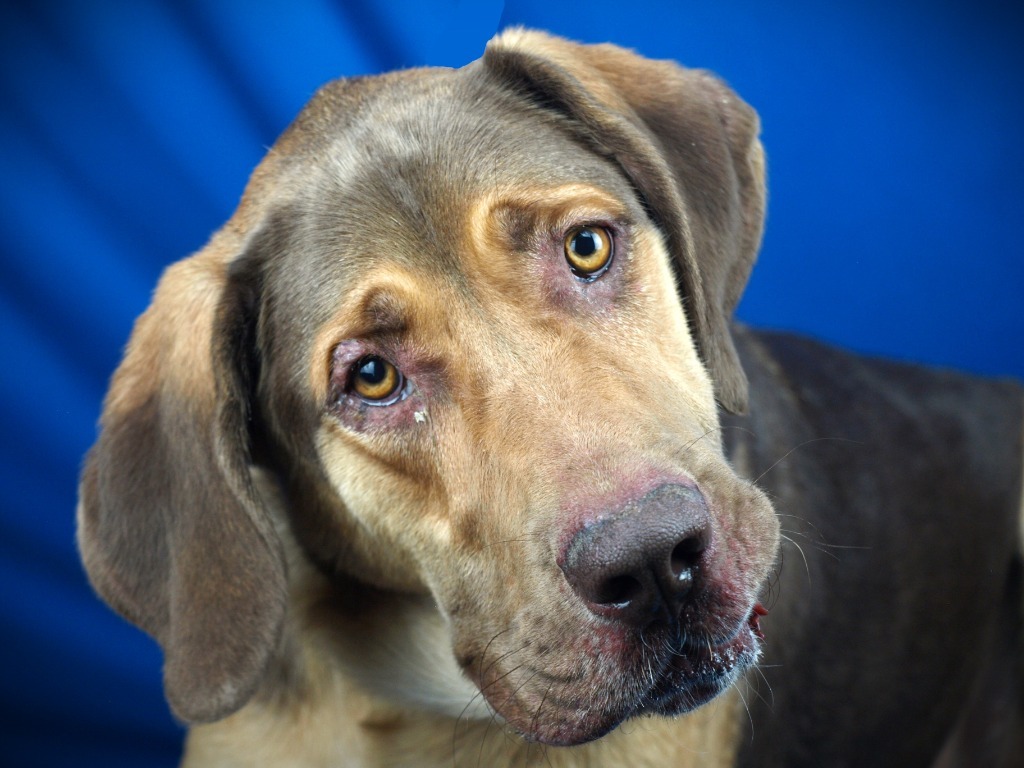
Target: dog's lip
(698,672)
(694,672)
(698,660)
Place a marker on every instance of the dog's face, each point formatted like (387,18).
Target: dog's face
(447,316)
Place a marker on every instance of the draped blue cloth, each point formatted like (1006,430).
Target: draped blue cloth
(128,129)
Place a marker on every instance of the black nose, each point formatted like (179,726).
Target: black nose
(639,564)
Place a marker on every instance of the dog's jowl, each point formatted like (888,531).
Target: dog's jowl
(446,451)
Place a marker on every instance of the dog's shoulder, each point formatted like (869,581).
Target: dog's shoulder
(903,453)
(907,423)
(898,490)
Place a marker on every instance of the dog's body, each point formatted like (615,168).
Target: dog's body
(419,461)
(900,584)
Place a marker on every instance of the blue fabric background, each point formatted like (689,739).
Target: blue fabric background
(128,129)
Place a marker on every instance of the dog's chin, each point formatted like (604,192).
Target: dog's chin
(692,675)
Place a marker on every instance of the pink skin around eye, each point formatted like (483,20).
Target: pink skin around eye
(408,410)
(565,289)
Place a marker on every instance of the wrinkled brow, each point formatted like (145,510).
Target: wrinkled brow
(520,216)
(383,313)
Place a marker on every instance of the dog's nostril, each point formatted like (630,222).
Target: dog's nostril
(685,556)
(619,591)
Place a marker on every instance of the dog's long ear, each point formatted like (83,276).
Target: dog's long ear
(171,530)
(690,147)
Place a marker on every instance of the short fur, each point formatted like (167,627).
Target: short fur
(336,583)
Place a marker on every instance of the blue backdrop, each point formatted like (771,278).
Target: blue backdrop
(128,129)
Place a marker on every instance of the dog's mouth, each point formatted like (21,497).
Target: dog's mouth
(700,671)
(667,674)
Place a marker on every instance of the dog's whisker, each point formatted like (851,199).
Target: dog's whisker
(803,554)
(493,720)
(483,739)
(512,694)
(823,546)
(746,708)
(536,719)
(697,439)
(759,671)
(800,519)
(482,671)
(818,546)
(804,444)
(480,694)
(818,539)
(510,672)
(737,428)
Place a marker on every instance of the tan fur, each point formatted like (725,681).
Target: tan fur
(330,720)
(386,588)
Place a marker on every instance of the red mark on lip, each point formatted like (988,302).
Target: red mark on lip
(755,620)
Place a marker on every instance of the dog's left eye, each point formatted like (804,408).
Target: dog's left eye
(589,251)
(376,381)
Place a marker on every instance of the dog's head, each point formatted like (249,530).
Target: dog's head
(476,321)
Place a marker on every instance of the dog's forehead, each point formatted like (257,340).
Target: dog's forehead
(386,172)
(416,153)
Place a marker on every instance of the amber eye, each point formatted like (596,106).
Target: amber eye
(588,251)
(376,381)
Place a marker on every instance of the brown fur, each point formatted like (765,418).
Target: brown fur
(341,584)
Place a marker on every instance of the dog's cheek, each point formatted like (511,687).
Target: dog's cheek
(748,529)
(384,513)
(761,542)
(657,336)
(503,592)
(503,624)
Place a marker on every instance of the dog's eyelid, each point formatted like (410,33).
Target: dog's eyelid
(351,358)
(583,216)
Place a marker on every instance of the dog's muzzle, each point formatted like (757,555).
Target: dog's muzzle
(648,570)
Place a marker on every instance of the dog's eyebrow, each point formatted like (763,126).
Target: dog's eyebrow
(522,212)
(561,206)
(383,313)
(385,302)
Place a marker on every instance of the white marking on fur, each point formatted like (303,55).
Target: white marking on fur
(422,673)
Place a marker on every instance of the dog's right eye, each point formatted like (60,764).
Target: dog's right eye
(589,251)
(376,381)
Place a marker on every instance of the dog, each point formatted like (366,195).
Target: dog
(446,450)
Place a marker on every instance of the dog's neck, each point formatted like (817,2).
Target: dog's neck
(361,730)
(329,720)
(372,683)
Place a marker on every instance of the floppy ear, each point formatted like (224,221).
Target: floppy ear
(689,146)
(171,530)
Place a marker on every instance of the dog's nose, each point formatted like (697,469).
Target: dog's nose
(639,564)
